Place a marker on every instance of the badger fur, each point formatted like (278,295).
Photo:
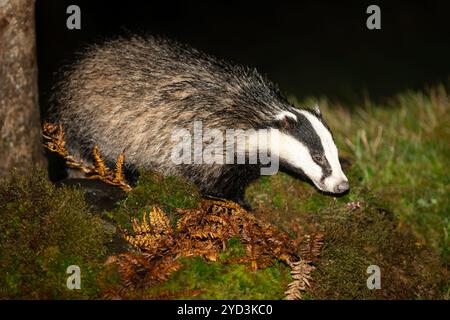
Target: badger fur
(130,94)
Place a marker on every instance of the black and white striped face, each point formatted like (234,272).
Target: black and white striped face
(306,146)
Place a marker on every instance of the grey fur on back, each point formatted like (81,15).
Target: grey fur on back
(129,94)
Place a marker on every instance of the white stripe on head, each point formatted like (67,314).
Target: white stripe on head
(285,147)
(331,152)
(297,154)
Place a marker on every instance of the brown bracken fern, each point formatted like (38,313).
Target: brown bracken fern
(301,275)
(205,231)
(54,141)
(310,248)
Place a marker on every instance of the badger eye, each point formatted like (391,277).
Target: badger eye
(317,158)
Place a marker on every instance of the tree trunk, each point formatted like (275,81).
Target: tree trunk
(20,132)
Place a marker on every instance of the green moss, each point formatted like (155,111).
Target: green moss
(235,249)
(43,230)
(224,279)
(371,236)
(153,189)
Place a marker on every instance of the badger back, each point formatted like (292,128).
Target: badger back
(130,94)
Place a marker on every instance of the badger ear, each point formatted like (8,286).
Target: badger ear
(317,109)
(286,114)
(284,119)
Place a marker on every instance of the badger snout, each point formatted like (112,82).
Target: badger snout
(341,187)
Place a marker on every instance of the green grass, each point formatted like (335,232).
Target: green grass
(401,152)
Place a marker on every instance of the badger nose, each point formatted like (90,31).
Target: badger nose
(342,187)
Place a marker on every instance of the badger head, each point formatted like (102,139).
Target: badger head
(306,147)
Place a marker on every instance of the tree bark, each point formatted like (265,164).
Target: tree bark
(20,127)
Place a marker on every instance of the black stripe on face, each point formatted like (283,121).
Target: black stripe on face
(303,131)
(326,168)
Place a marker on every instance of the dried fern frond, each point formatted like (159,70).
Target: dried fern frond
(54,141)
(311,246)
(101,172)
(301,270)
(54,136)
(151,236)
(204,231)
(159,221)
(141,271)
(219,220)
(99,164)
(301,275)
(118,173)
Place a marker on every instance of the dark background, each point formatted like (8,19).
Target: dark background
(307,47)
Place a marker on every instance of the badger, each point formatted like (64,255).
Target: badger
(131,94)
